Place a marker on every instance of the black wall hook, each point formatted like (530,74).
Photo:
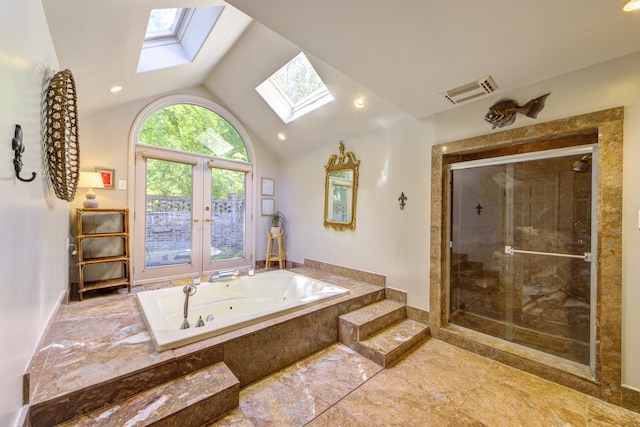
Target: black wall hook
(18,148)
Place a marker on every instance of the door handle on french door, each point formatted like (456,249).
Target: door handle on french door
(510,251)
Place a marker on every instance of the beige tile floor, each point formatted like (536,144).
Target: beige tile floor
(436,385)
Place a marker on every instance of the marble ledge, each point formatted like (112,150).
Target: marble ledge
(360,275)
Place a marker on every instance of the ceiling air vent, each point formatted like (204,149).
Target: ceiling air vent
(471,90)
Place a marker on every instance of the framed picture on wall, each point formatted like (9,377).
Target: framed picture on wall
(108,177)
(267,207)
(268,186)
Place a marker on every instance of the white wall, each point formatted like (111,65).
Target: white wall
(396,243)
(386,240)
(33,225)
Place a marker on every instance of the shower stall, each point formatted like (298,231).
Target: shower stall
(521,259)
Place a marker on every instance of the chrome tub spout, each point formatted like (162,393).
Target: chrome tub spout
(222,275)
(189,290)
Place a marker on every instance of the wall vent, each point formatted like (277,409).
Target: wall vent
(470,91)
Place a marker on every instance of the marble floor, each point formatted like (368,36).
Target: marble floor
(436,385)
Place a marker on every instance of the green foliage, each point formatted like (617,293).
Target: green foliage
(276,219)
(225,182)
(166,178)
(298,79)
(192,129)
(228,253)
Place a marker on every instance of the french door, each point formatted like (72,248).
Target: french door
(192,215)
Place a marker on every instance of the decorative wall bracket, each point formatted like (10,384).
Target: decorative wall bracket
(18,148)
(402,199)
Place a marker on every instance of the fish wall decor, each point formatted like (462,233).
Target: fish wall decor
(503,112)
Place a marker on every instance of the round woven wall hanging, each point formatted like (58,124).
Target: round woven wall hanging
(61,135)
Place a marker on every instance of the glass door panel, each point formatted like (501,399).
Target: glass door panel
(194,219)
(226,242)
(520,267)
(169,222)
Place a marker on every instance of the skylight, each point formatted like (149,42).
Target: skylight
(164,23)
(295,89)
(175,36)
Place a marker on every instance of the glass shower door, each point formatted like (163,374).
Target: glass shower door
(520,264)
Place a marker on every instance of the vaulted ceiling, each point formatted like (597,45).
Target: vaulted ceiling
(398,55)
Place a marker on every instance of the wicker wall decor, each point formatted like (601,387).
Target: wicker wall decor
(60,122)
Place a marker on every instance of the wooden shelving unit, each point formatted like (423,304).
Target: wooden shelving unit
(106,233)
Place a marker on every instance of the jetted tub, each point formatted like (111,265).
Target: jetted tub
(228,305)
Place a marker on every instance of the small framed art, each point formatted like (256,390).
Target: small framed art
(267,207)
(108,177)
(268,186)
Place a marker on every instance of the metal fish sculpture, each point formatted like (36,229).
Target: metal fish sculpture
(503,112)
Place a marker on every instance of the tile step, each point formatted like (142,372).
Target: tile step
(364,322)
(192,400)
(389,345)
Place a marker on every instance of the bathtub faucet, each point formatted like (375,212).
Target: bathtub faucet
(221,275)
(189,291)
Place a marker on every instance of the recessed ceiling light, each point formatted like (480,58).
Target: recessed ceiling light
(631,5)
(282,136)
(359,102)
(115,89)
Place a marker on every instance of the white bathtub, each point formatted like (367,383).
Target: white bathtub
(228,305)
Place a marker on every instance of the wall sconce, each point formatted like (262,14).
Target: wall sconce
(90,180)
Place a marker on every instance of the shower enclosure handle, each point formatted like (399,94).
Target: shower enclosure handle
(510,251)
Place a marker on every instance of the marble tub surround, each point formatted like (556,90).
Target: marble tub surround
(99,351)
(606,381)
(339,272)
(359,275)
(438,384)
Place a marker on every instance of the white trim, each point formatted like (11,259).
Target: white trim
(536,155)
(160,154)
(229,164)
(250,166)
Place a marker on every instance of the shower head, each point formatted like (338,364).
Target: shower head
(582,165)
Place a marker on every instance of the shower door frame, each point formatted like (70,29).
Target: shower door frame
(608,126)
(510,160)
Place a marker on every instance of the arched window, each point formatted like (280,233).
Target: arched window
(193,183)
(193,129)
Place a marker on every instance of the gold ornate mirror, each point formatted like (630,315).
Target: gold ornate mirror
(341,187)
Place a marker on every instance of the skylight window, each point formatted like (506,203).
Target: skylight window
(164,23)
(174,36)
(295,89)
